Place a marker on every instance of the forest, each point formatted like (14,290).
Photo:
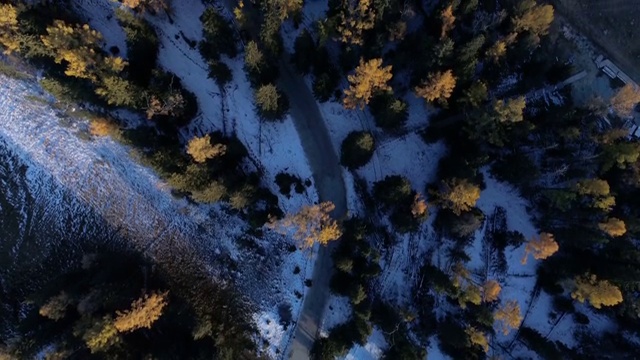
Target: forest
(574,163)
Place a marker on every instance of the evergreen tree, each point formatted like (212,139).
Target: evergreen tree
(458,195)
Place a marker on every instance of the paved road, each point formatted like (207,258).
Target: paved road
(327,175)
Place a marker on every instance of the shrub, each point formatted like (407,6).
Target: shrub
(103,127)
(388,111)
(357,149)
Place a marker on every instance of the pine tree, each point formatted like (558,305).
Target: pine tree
(143,313)
(613,227)
(118,91)
(508,316)
(356,17)
(370,77)
(476,94)
(448,21)
(620,154)
(541,247)
(597,292)
(212,193)
(437,86)
(497,51)
(458,195)
(491,290)
(625,100)
(201,149)
(9,28)
(312,224)
(477,338)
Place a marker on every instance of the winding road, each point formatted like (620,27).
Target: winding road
(327,175)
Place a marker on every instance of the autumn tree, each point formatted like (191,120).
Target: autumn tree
(458,195)
(491,290)
(438,86)
(419,207)
(100,335)
(510,110)
(201,149)
(620,154)
(533,17)
(613,227)
(598,193)
(143,313)
(9,28)
(153,6)
(118,91)
(477,338)
(597,292)
(312,224)
(356,17)
(625,100)
(508,316)
(79,47)
(541,247)
(370,77)
(102,127)
(497,51)
(271,103)
(56,307)
(448,21)
(253,57)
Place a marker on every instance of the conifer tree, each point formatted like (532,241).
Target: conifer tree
(356,17)
(613,227)
(541,247)
(533,17)
(201,149)
(56,307)
(458,195)
(100,335)
(143,313)
(597,292)
(9,28)
(491,290)
(312,224)
(625,100)
(370,77)
(448,21)
(508,316)
(510,111)
(437,86)
(477,338)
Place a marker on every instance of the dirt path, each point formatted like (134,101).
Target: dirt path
(327,175)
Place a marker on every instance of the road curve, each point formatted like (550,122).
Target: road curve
(327,175)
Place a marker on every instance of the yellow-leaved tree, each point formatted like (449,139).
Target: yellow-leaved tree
(448,21)
(477,338)
(370,77)
(597,292)
(508,316)
(201,149)
(458,195)
(143,313)
(598,191)
(419,207)
(533,17)
(9,28)
(541,247)
(491,290)
(510,110)
(626,99)
(438,86)
(100,335)
(312,224)
(356,17)
(56,307)
(613,227)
